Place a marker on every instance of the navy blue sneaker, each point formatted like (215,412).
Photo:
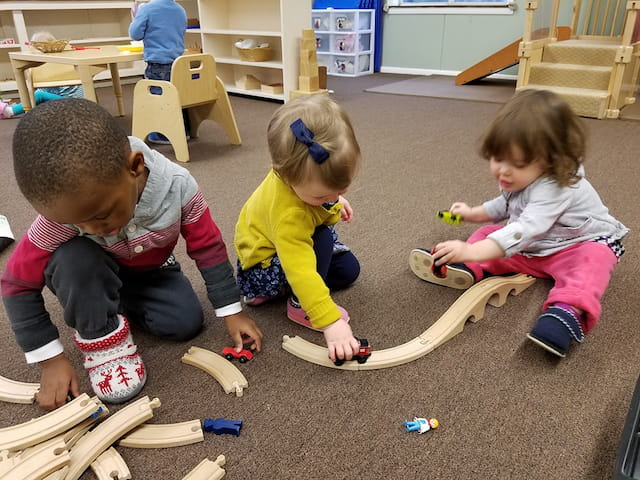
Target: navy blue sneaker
(555,329)
(158,139)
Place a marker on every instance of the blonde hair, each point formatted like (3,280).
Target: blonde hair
(42,37)
(545,128)
(331,127)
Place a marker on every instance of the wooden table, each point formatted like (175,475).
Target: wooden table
(86,62)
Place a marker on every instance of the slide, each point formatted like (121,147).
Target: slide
(504,58)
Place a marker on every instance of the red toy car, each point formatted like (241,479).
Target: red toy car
(364,352)
(243,355)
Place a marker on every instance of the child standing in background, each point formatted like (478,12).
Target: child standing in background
(284,236)
(42,94)
(160,24)
(111,213)
(557,226)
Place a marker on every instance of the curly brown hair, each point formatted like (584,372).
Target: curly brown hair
(545,128)
(332,129)
(62,144)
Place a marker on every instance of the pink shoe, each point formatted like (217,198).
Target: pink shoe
(116,371)
(5,110)
(255,301)
(296,314)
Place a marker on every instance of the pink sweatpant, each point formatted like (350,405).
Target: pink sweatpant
(581,273)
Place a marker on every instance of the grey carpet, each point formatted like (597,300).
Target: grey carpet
(507,410)
(439,86)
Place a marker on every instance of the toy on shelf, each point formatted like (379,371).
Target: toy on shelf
(221,425)
(344,23)
(421,425)
(272,88)
(450,218)
(309,78)
(250,50)
(243,355)
(364,352)
(248,82)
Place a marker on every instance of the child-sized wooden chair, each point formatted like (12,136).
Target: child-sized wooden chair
(194,86)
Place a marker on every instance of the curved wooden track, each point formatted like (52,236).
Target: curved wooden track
(17,392)
(40,461)
(92,444)
(225,372)
(207,470)
(469,306)
(164,436)
(110,465)
(18,437)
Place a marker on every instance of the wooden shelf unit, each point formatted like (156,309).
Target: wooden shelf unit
(276,22)
(222,23)
(83,22)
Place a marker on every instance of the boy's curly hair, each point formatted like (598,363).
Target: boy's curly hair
(332,130)
(545,128)
(62,144)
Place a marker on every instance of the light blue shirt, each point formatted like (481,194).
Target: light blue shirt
(544,217)
(160,24)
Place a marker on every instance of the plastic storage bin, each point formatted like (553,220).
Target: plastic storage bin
(344,40)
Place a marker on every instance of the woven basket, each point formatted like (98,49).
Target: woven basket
(255,54)
(51,47)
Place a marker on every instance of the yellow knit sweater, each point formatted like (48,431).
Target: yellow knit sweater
(275,221)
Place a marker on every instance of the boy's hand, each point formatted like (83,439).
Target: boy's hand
(242,330)
(346,214)
(340,340)
(58,379)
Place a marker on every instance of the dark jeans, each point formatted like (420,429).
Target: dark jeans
(337,270)
(93,288)
(162,71)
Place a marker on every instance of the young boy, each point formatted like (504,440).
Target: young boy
(160,24)
(111,211)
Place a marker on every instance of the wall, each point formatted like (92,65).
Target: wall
(450,43)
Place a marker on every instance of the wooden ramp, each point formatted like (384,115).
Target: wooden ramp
(504,58)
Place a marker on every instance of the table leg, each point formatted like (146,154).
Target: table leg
(117,88)
(19,73)
(84,72)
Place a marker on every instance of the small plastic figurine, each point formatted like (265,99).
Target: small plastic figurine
(243,355)
(421,425)
(450,218)
(221,425)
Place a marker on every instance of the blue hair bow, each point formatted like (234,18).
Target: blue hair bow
(304,135)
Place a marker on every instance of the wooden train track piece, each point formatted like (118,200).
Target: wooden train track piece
(41,461)
(469,306)
(92,444)
(8,459)
(207,470)
(17,392)
(225,372)
(164,436)
(110,465)
(18,437)
(58,474)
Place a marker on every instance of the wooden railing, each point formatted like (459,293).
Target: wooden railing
(607,20)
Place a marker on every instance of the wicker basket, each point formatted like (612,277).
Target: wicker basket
(51,47)
(255,54)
